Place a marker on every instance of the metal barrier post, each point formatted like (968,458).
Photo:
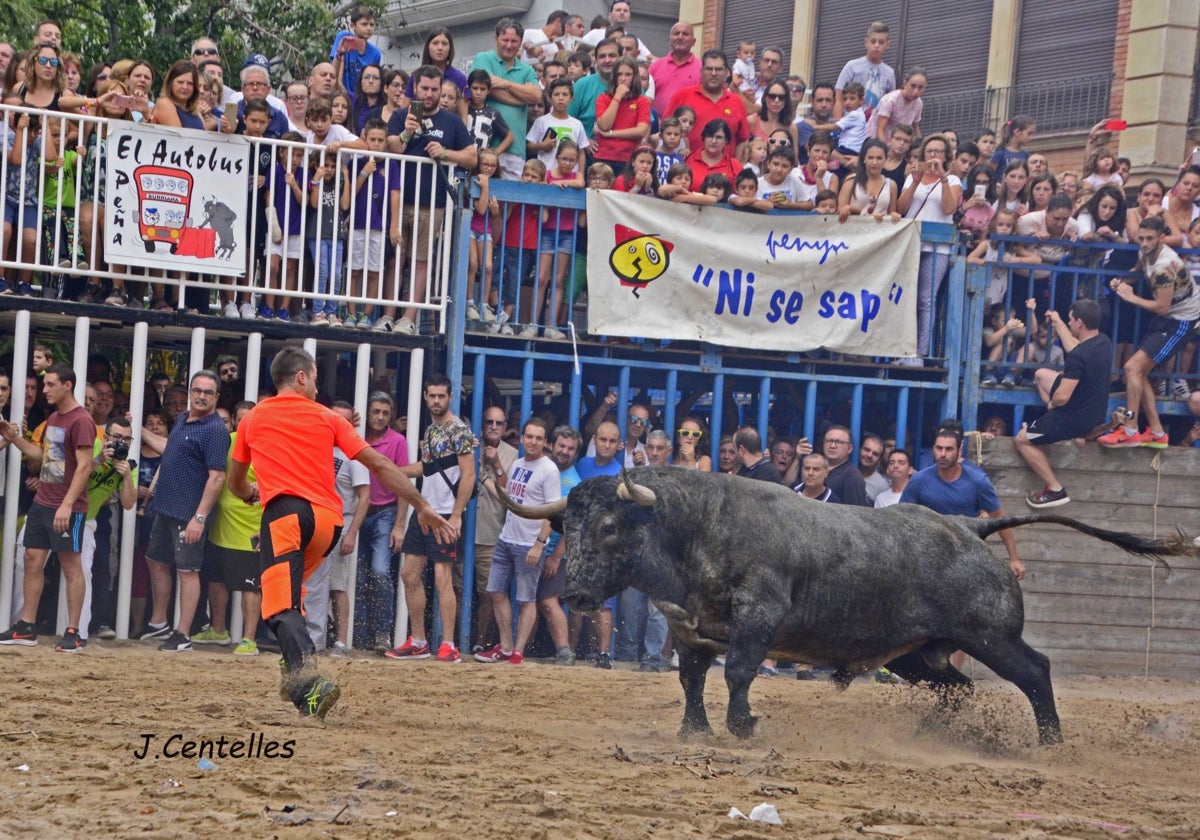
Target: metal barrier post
(12,482)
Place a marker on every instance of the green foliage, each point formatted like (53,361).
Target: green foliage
(294,34)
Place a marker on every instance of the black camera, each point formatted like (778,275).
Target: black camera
(120,449)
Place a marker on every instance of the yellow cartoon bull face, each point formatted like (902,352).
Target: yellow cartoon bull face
(639,258)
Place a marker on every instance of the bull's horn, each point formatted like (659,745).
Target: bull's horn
(545,511)
(631,492)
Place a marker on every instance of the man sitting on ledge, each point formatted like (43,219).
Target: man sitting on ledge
(1077,398)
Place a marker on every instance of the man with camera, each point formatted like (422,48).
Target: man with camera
(113,471)
(425,130)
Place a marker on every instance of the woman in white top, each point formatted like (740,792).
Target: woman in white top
(930,194)
(868,192)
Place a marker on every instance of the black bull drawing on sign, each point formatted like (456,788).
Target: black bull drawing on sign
(751,569)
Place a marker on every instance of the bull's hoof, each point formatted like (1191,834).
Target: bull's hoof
(1050,736)
(692,728)
(742,727)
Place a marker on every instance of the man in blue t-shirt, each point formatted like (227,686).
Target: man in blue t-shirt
(604,462)
(954,488)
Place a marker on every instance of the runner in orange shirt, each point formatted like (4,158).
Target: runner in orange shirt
(290,438)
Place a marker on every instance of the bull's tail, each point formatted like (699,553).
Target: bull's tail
(1178,545)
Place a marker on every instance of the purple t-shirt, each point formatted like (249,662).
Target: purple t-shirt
(372,203)
(394,447)
(289,210)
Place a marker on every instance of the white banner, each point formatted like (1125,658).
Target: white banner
(176,199)
(657,269)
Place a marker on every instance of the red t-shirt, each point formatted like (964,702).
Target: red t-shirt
(729,107)
(521,226)
(290,440)
(630,113)
(63,435)
(728,166)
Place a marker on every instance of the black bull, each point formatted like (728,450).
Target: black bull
(751,569)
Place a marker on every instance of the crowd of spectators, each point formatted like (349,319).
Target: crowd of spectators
(581,107)
(189,521)
(595,107)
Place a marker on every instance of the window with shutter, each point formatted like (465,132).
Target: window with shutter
(953,50)
(1064,84)
(768,23)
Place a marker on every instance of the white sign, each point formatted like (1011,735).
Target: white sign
(177,199)
(657,269)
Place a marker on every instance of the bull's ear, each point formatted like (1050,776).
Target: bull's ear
(556,523)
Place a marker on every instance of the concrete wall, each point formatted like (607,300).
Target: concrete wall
(1090,607)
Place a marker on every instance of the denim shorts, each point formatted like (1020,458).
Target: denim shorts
(28,214)
(562,241)
(508,562)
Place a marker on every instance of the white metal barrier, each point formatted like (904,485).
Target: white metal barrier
(202,350)
(64,249)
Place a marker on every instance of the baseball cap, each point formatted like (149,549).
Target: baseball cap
(258,60)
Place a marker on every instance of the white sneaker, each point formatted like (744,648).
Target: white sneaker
(551,332)
(505,329)
(909,361)
(405,327)
(1161,389)
(472,312)
(384,324)
(530,331)
(1180,389)
(230,310)
(320,320)
(487,314)
(247,310)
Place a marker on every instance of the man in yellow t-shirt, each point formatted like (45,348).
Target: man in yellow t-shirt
(232,564)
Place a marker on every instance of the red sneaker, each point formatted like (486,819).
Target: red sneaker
(493,654)
(448,653)
(409,651)
(516,658)
(1120,438)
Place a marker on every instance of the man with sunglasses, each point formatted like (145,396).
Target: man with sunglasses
(844,479)
(496,456)
(637,423)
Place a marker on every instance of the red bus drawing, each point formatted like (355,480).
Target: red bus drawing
(164,197)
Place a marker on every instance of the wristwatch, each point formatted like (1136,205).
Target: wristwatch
(200,517)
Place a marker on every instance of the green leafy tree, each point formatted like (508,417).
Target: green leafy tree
(294,34)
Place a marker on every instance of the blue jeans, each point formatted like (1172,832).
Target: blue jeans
(327,258)
(639,623)
(374,589)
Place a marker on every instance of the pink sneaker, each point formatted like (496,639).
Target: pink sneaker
(493,654)
(516,658)
(409,651)
(448,653)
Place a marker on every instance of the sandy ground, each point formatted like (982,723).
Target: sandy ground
(430,750)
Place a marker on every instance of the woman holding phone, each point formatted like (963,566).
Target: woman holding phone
(930,194)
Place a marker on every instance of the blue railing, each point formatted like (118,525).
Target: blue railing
(1085,272)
